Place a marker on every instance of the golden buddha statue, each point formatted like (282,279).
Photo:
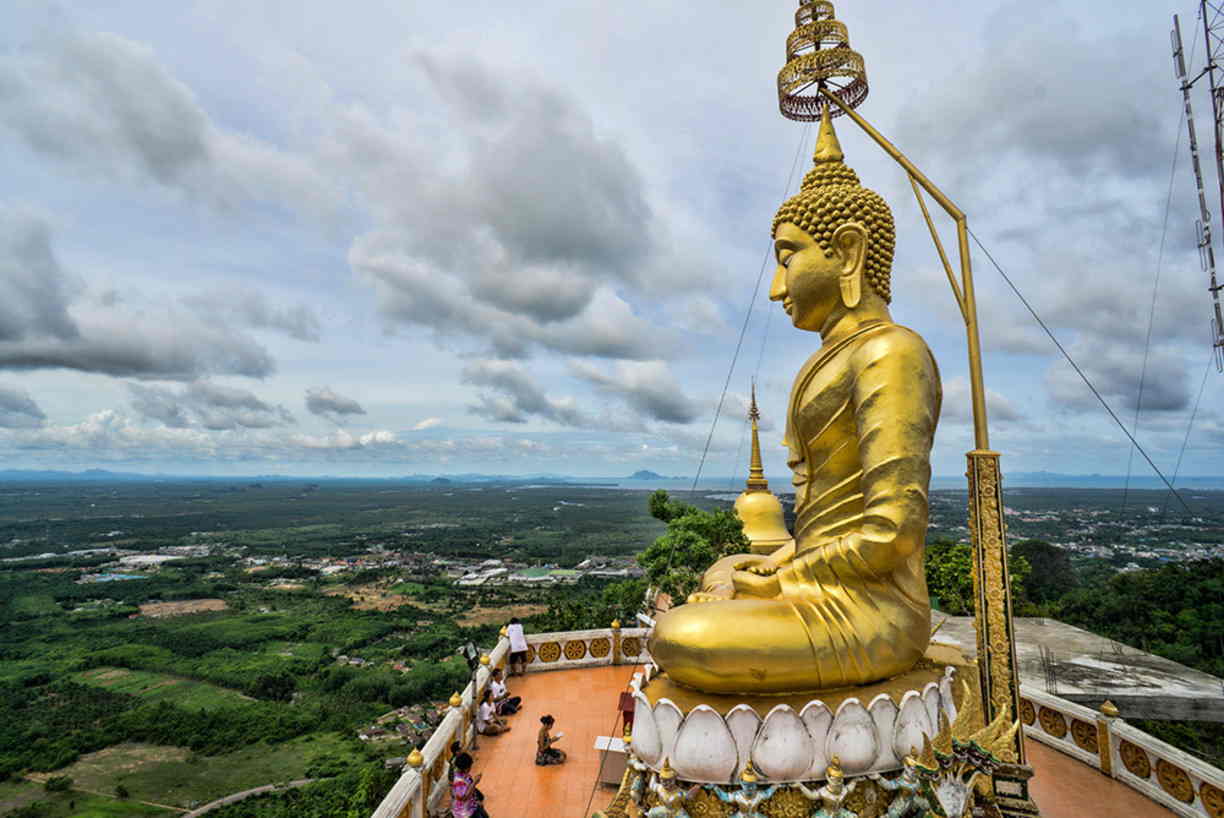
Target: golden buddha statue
(845,604)
(758,508)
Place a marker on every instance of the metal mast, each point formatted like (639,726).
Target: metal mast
(1212,15)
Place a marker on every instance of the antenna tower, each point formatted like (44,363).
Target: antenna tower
(1211,12)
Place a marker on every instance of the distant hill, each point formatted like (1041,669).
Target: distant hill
(646,474)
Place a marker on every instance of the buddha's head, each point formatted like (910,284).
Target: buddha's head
(833,241)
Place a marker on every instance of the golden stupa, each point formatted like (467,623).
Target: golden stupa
(758,507)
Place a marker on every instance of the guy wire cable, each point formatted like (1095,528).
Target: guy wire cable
(1190,425)
(1079,371)
(1147,344)
(747,316)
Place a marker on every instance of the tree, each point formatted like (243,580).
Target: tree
(949,574)
(694,540)
(58,783)
(121,791)
(1052,576)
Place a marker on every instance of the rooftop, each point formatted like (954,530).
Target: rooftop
(1083,667)
(583,701)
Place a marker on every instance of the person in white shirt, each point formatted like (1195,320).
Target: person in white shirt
(518,647)
(506,704)
(488,723)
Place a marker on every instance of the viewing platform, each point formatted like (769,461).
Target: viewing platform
(1086,763)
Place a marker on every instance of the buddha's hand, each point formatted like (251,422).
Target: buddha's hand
(760,584)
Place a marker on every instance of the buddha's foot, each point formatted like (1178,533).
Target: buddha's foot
(767,646)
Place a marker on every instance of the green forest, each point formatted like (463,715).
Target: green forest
(196,706)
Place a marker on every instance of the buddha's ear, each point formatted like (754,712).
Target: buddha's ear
(850,241)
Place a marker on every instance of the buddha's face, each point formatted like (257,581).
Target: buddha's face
(806,281)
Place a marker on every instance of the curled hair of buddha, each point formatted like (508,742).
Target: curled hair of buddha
(831,196)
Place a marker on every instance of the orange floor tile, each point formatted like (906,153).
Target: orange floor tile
(1066,788)
(584,705)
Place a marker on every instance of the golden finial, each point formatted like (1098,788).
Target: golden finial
(756,470)
(667,771)
(1109,710)
(834,769)
(415,759)
(819,58)
(504,632)
(456,700)
(616,624)
(485,660)
(828,146)
(749,774)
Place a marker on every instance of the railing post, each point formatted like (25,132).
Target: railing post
(416,761)
(616,642)
(1109,714)
(456,703)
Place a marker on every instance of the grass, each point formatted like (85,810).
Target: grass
(74,803)
(175,776)
(408,588)
(34,605)
(156,687)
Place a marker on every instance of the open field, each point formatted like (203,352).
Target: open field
(498,615)
(177,777)
(156,687)
(155,610)
(74,803)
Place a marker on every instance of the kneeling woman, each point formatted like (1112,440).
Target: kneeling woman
(545,754)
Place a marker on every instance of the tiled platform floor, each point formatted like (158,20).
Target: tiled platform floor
(584,705)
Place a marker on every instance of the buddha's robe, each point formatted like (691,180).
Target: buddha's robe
(851,604)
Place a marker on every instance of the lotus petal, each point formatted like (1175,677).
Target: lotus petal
(817,718)
(744,723)
(705,749)
(783,749)
(852,738)
(646,742)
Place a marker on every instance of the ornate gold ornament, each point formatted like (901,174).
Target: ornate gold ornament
(1213,800)
(631,646)
(1028,713)
(819,58)
(1175,781)
(549,652)
(705,804)
(600,647)
(531,654)
(575,649)
(1084,735)
(1052,722)
(787,803)
(1135,759)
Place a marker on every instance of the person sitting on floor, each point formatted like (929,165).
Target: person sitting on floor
(466,801)
(545,754)
(506,704)
(488,723)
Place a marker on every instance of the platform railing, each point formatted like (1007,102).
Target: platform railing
(1100,738)
(1172,778)
(422,786)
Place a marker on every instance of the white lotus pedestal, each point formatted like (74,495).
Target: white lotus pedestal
(710,739)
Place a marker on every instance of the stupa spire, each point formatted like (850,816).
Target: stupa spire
(756,470)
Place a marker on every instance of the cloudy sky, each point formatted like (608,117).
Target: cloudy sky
(256,236)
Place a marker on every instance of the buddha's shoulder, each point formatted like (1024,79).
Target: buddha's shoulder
(891,340)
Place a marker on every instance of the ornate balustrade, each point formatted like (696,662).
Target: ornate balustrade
(1166,775)
(423,783)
